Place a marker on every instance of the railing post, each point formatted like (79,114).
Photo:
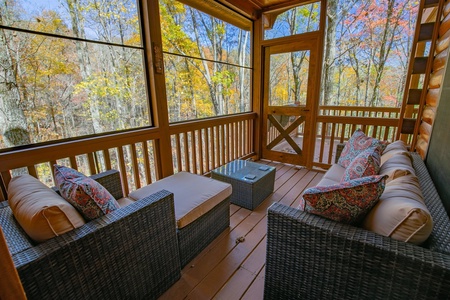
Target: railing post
(155,67)
(257,103)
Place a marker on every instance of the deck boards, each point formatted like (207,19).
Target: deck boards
(228,269)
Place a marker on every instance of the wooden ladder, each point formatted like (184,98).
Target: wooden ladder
(420,71)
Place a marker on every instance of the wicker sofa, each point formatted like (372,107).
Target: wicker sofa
(130,253)
(310,257)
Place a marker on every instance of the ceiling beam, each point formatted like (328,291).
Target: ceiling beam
(284,5)
(247,8)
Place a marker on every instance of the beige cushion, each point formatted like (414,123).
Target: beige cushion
(393,149)
(194,195)
(125,201)
(396,145)
(399,164)
(334,173)
(40,211)
(401,212)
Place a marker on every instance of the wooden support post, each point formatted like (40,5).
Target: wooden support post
(155,67)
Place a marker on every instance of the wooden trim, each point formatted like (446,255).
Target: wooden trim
(200,124)
(257,89)
(247,8)
(287,5)
(10,284)
(27,157)
(222,12)
(358,120)
(360,108)
(155,67)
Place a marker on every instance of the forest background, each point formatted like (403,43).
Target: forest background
(85,75)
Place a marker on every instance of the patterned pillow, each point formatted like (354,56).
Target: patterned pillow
(347,202)
(367,163)
(357,143)
(88,196)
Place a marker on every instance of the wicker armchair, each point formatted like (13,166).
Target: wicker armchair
(131,253)
(310,257)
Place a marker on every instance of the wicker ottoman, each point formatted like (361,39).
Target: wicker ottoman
(202,209)
(251,182)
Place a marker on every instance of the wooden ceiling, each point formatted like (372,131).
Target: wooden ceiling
(253,8)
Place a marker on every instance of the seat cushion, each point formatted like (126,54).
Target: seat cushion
(194,195)
(39,210)
(125,201)
(401,212)
(347,202)
(88,196)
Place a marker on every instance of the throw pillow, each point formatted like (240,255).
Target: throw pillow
(367,163)
(88,196)
(39,210)
(347,202)
(401,213)
(357,143)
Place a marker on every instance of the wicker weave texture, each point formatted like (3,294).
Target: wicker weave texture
(16,238)
(247,193)
(193,238)
(310,257)
(130,253)
(110,180)
(440,236)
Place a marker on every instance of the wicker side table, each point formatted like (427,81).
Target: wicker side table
(251,182)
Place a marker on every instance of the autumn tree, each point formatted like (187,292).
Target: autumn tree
(203,62)
(364,35)
(14,127)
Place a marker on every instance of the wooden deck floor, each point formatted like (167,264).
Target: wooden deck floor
(228,269)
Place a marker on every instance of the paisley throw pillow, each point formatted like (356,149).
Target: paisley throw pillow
(357,143)
(88,196)
(348,202)
(367,163)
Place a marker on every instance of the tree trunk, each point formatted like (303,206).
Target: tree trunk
(83,59)
(13,121)
(205,72)
(330,51)
(385,47)
(242,46)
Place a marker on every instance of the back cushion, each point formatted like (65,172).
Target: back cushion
(397,165)
(40,211)
(393,149)
(401,213)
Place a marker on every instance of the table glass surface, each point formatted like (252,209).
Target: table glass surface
(244,170)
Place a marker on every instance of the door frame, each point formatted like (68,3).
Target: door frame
(308,41)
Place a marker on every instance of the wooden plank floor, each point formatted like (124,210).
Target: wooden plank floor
(229,269)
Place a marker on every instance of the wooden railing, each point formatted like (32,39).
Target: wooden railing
(199,145)
(273,132)
(360,111)
(336,124)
